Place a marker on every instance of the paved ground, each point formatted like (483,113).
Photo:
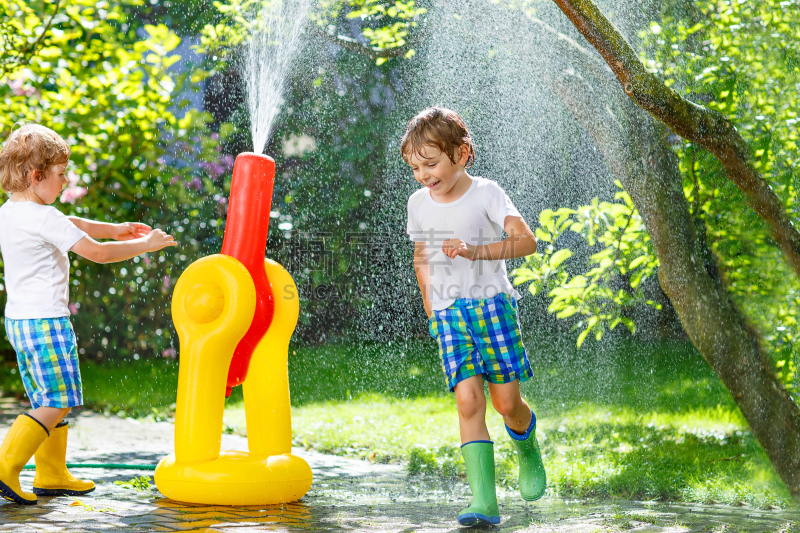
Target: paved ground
(347,495)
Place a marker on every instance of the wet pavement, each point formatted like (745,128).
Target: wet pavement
(347,495)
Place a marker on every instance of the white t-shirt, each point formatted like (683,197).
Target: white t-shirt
(476,218)
(34,241)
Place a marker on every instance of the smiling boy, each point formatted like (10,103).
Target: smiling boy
(456,223)
(35,239)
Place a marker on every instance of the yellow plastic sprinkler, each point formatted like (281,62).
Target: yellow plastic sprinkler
(235,313)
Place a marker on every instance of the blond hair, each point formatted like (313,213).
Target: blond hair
(32,147)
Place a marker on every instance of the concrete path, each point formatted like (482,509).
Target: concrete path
(347,495)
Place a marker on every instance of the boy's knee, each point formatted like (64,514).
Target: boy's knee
(470,402)
(506,405)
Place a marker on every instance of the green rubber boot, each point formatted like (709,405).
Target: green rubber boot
(532,477)
(479,458)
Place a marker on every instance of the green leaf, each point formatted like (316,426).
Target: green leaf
(642,259)
(567,312)
(559,257)
(582,336)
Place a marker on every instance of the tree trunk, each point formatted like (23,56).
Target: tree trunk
(700,125)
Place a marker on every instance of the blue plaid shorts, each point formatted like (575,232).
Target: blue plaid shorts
(47,357)
(481,337)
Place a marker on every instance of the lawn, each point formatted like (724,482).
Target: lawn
(628,420)
(624,420)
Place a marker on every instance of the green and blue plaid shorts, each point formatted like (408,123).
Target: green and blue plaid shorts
(481,337)
(47,357)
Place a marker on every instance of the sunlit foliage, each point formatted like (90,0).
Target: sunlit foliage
(743,60)
(391,23)
(112,93)
(612,285)
(385,25)
(21,32)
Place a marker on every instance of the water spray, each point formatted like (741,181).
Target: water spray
(267,60)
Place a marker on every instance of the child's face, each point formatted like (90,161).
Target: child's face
(48,189)
(433,168)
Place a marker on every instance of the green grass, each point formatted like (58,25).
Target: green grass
(140,483)
(139,389)
(631,421)
(636,421)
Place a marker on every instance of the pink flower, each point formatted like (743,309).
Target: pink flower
(166,282)
(19,88)
(72,309)
(73,178)
(146,260)
(169,352)
(71,194)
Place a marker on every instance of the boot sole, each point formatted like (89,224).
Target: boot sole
(61,492)
(475,519)
(10,495)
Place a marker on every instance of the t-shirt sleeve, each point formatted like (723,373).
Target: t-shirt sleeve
(499,205)
(413,228)
(59,231)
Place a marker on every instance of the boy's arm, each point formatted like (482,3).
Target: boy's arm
(520,243)
(111,252)
(104,230)
(423,275)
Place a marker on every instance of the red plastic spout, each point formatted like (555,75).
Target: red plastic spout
(246,241)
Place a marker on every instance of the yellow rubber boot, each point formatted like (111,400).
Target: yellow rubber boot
(52,477)
(21,442)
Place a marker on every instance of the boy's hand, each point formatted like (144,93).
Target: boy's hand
(455,247)
(157,240)
(130,230)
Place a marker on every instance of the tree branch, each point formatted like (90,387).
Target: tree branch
(46,29)
(701,126)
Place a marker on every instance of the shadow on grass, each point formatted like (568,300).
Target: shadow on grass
(632,460)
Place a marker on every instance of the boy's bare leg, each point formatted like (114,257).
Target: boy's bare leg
(471,409)
(49,416)
(507,400)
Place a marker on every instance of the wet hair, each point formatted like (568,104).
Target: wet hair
(440,128)
(31,147)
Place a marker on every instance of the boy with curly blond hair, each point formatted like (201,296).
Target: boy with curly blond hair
(34,241)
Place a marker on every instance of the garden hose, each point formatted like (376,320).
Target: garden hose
(110,466)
